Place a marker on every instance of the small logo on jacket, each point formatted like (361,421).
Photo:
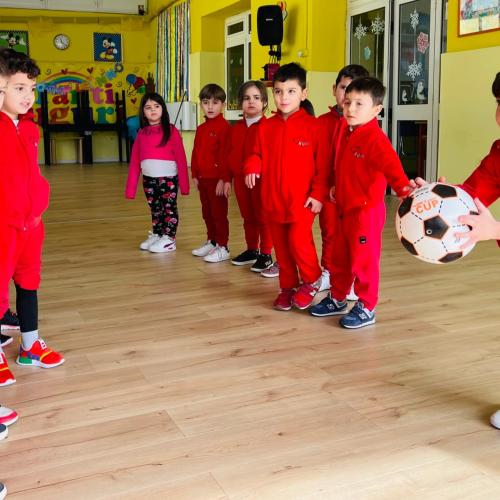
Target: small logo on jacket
(303,143)
(357,153)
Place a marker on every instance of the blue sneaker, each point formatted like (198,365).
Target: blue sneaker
(329,307)
(358,317)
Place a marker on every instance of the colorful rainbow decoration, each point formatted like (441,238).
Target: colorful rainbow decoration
(173,52)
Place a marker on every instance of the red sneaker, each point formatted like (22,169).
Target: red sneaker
(6,377)
(7,416)
(39,355)
(305,294)
(283,301)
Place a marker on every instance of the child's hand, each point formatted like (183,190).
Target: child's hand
(250,180)
(195,180)
(332,193)
(219,188)
(418,182)
(406,191)
(227,189)
(484,226)
(314,205)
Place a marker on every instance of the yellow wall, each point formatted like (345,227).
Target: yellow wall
(76,63)
(315,29)
(467,112)
(470,42)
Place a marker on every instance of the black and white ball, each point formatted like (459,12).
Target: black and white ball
(426,222)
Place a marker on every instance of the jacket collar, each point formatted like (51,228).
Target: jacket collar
(22,118)
(364,129)
(300,113)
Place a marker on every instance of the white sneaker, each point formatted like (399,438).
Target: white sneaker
(3,491)
(324,283)
(164,244)
(205,249)
(351,295)
(495,419)
(152,238)
(218,254)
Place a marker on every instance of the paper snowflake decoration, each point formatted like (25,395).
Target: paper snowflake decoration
(422,42)
(414,19)
(414,70)
(360,31)
(377,27)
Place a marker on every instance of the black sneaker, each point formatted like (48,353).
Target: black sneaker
(9,321)
(5,340)
(263,262)
(246,257)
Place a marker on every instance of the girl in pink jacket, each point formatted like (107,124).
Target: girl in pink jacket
(158,153)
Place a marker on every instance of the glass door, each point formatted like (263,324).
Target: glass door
(415,85)
(368,42)
(237,60)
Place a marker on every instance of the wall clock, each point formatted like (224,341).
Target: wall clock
(61,41)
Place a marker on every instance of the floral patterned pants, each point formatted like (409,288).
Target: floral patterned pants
(161,195)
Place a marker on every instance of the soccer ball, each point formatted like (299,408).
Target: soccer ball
(427,220)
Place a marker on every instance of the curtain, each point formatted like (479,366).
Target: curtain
(173,53)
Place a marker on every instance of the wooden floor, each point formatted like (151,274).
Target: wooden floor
(181,382)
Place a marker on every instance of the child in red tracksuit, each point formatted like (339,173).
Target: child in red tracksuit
(24,196)
(484,185)
(206,168)
(330,122)
(252,98)
(365,162)
(293,186)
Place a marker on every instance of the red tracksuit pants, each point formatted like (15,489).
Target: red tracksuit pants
(327,218)
(257,232)
(295,250)
(214,212)
(357,248)
(20,259)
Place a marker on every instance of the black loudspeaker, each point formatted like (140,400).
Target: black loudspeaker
(270,25)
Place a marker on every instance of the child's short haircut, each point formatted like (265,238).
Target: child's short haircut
(3,67)
(291,71)
(17,62)
(351,71)
(368,85)
(495,88)
(212,91)
(253,83)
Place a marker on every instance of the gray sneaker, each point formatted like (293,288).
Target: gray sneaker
(271,272)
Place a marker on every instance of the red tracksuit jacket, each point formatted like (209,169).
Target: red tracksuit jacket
(239,145)
(484,182)
(365,162)
(24,193)
(284,155)
(329,124)
(209,148)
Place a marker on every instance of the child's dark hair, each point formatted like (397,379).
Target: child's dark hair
(495,88)
(368,85)
(291,71)
(17,62)
(260,87)
(351,71)
(3,66)
(213,91)
(165,119)
(308,107)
